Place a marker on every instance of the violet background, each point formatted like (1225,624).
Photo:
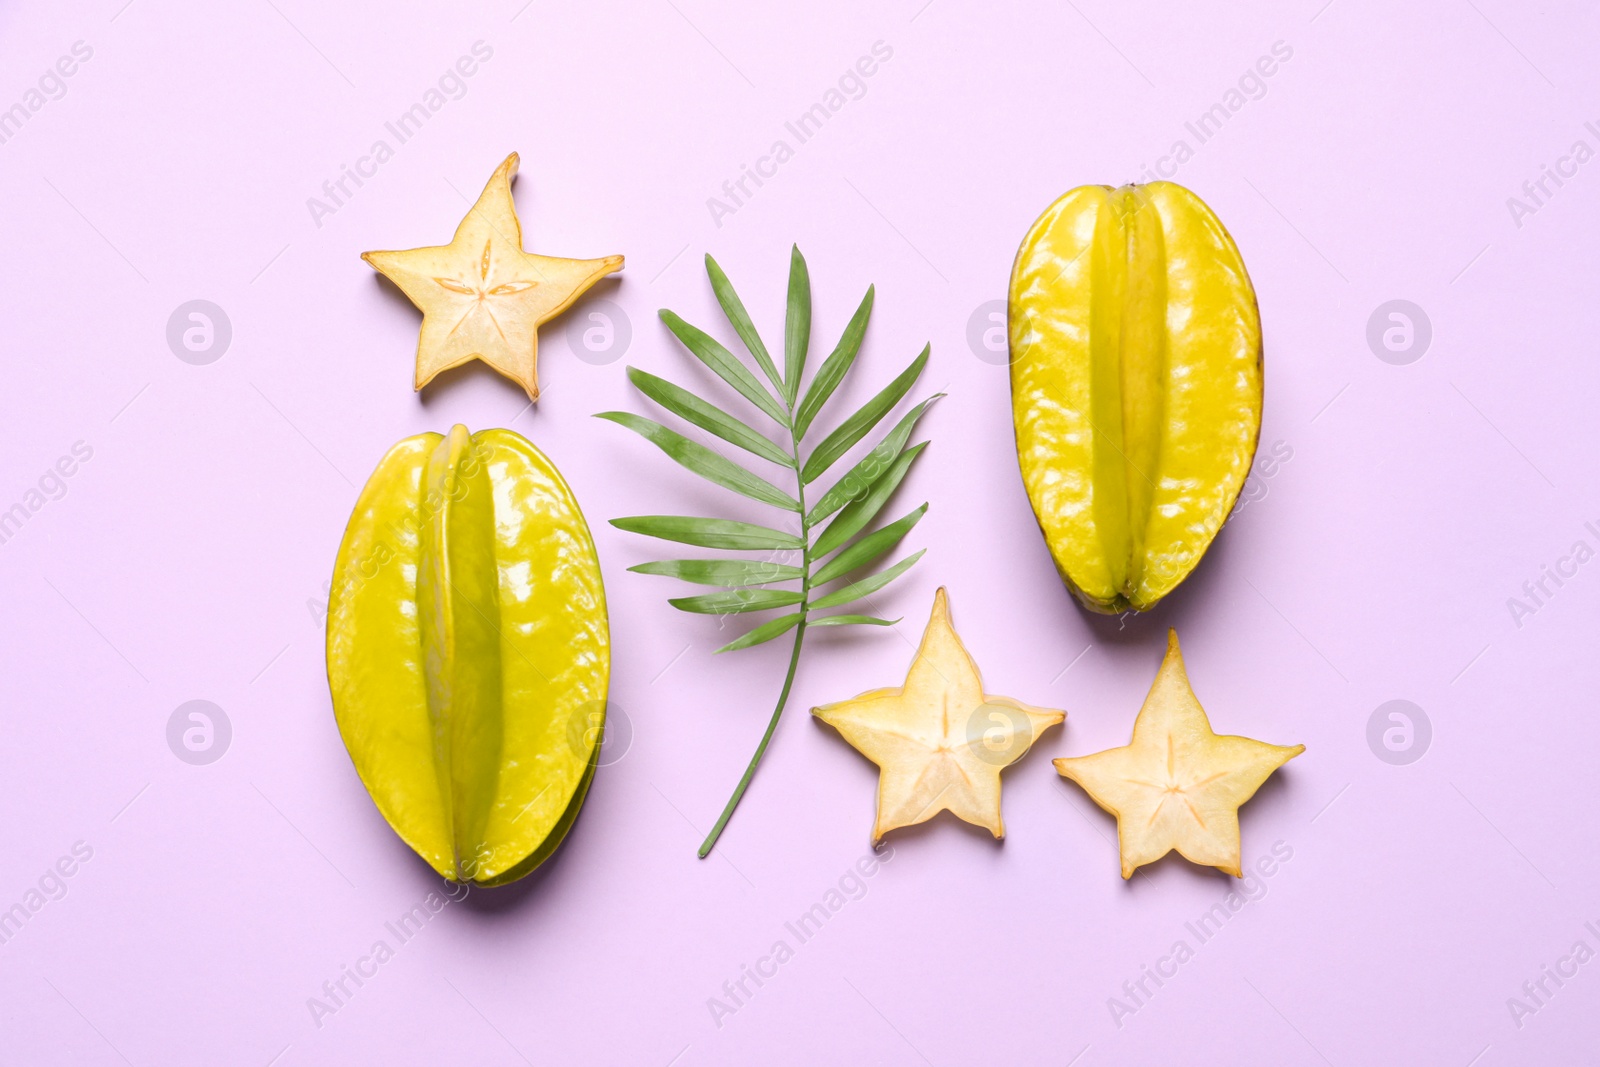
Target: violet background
(188,557)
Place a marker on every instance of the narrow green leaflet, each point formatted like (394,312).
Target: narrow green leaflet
(709,533)
(708,417)
(722,362)
(868,548)
(760,635)
(736,572)
(866,586)
(862,510)
(736,601)
(703,461)
(857,425)
(851,620)
(853,503)
(796,326)
(733,307)
(860,477)
(834,367)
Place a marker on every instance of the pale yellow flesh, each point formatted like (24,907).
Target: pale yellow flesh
(1136,385)
(1177,785)
(482,296)
(939,742)
(469,651)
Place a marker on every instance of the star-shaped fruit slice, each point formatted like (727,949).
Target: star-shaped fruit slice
(939,741)
(482,296)
(1177,785)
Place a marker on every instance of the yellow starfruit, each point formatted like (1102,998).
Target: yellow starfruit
(469,651)
(1135,384)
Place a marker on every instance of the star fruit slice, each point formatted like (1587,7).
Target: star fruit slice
(482,296)
(1135,386)
(1177,785)
(469,651)
(939,741)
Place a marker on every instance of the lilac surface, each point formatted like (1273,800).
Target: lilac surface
(187,557)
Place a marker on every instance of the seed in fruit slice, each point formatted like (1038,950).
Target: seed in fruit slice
(939,742)
(1135,385)
(469,651)
(1177,785)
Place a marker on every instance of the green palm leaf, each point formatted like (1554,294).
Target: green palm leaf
(868,548)
(733,307)
(857,498)
(796,326)
(860,477)
(704,462)
(834,367)
(760,635)
(862,510)
(737,601)
(862,421)
(709,351)
(735,572)
(866,586)
(708,417)
(710,533)
(851,620)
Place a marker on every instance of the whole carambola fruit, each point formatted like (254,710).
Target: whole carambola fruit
(1135,386)
(469,651)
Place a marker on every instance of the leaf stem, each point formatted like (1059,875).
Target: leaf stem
(750,771)
(794,657)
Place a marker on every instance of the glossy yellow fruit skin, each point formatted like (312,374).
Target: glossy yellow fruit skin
(1135,386)
(469,651)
